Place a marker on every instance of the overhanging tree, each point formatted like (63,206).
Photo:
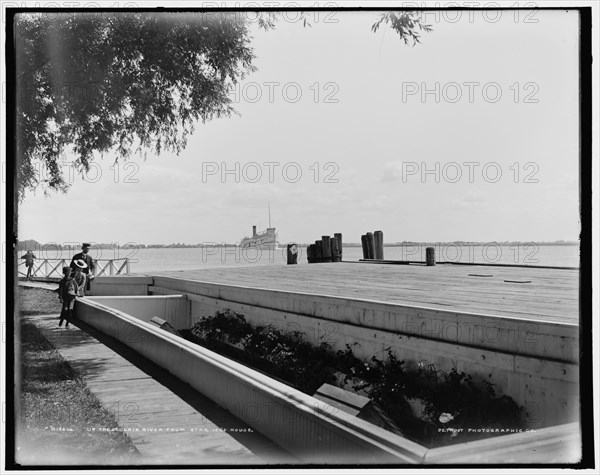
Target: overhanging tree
(128,82)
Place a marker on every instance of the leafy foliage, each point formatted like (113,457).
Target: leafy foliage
(470,405)
(127,82)
(122,81)
(227,326)
(285,355)
(406,24)
(445,397)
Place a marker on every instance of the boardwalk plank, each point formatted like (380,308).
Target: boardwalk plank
(553,294)
(142,403)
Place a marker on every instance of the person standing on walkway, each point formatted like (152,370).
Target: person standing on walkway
(75,288)
(90,267)
(29,261)
(65,297)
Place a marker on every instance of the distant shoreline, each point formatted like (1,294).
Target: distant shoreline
(34,245)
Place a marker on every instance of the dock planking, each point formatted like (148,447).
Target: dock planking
(168,422)
(552,295)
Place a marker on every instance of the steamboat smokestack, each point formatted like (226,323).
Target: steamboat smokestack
(253,231)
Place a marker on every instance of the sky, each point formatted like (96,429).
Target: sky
(471,135)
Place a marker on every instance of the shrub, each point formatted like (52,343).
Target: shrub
(227,326)
(445,397)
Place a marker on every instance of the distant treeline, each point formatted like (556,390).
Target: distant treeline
(472,243)
(33,245)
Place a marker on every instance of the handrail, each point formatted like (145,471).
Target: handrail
(52,267)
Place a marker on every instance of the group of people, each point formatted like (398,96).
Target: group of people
(76,280)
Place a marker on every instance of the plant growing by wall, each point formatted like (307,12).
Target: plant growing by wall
(285,355)
(450,399)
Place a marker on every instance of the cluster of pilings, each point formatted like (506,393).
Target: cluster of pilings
(327,249)
(372,245)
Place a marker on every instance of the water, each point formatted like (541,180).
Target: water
(160,259)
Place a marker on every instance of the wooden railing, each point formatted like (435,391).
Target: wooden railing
(52,268)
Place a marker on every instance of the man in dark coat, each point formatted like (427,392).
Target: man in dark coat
(29,261)
(91,266)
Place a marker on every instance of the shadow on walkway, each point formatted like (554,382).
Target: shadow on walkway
(82,334)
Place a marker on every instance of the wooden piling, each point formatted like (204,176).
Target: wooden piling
(430,256)
(378,238)
(292,254)
(338,239)
(370,246)
(326,248)
(311,254)
(363,240)
(335,251)
(319,249)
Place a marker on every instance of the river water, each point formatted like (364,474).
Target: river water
(159,259)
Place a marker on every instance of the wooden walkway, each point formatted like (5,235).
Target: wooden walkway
(38,285)
(532,293)
(169,422)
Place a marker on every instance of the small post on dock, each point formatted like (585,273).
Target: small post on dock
(378,238)
(363,240)
(319,249)
(311,254)
(430,256)
(292,254)
(370,246)
(326,248)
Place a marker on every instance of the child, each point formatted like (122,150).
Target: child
(65,297)
(77,286)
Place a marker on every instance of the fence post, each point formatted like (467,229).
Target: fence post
(127,264)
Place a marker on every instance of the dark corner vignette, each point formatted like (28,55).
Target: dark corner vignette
(11,238)
(586,257)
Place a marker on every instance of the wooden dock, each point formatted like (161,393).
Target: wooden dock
(550,295)
(169,422)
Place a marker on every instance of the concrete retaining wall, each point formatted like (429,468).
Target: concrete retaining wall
(303,425)
(534,362)
(120,285)
(307,427)
(173,308)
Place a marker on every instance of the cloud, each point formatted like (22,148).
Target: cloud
(473,199)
